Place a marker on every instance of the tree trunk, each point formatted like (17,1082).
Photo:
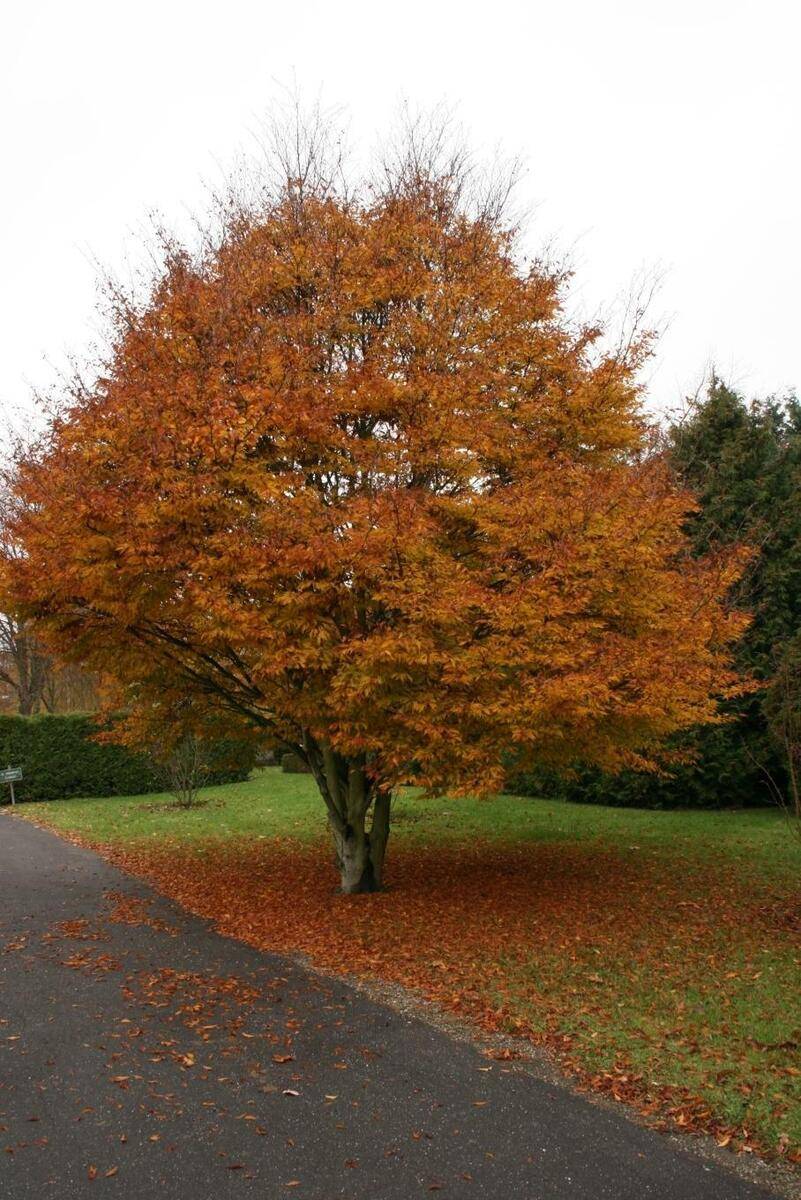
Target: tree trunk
(379,832)
(360,853)
(354,860)
(350,795)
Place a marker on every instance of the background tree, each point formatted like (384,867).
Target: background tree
(186,769)
(743,462)
(25,669)
(31,681)
(190,744)
(350,471)
(782,708)
(71,689)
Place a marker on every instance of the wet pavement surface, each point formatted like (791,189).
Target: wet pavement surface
(143,1055)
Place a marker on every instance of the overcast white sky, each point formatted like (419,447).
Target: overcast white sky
(657,136)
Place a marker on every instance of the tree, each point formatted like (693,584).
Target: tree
(349,470)
(783,713)
(186,770)
(25,669)
(743,460)
(30,679)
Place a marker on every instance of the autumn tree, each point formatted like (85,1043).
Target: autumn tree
(350,471)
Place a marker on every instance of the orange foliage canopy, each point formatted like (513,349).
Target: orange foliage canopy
(351,472)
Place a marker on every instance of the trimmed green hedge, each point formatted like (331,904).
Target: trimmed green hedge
(59,759)
(729,770)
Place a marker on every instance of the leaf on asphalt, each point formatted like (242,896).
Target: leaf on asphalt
(523,930)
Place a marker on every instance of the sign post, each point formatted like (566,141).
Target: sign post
(10,776)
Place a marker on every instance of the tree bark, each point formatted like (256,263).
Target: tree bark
(379,832)
(356,871)
(351,796)
(360,852)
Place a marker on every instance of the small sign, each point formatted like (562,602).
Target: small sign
(11,775)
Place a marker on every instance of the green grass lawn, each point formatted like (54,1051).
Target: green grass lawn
(639,937)
(273,804)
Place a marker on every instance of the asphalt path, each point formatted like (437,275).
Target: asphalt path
(143,1055)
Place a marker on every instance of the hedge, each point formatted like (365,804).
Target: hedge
(59,758)
(729,769)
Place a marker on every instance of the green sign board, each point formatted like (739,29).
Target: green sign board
(11,775)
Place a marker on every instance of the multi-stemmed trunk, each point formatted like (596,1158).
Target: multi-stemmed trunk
(353,797)
(359,851)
